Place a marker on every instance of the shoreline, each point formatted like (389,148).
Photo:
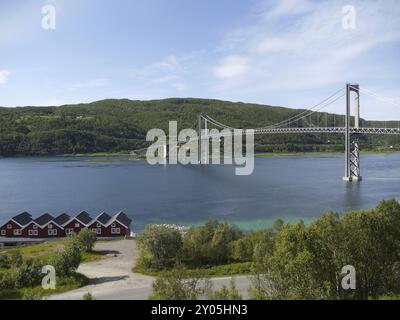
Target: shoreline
(123,154)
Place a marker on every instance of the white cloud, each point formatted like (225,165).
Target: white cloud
(297,45)
(4,74)
(285,8)
(232,67)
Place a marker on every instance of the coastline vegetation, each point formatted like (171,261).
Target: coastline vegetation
(286,261)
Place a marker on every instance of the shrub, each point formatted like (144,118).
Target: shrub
(11,259)
(67,261)
(162,243)
(87,239)
(30,294)
(174,287)
(28,275)
(4,261)
(7,280)
(227,293)
(88,296)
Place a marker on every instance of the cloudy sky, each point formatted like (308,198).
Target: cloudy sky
(290,52)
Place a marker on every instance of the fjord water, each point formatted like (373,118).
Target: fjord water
(287,187)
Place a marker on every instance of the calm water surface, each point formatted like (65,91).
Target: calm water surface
(291,188)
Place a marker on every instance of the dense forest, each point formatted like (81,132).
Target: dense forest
(121,125)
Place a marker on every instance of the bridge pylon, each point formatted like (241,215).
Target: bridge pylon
(203,145)
(352,149)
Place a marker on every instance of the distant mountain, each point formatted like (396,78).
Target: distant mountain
(119,125)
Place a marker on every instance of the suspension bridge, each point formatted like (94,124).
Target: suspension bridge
(352,130)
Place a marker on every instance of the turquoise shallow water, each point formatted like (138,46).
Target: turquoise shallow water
(291,188)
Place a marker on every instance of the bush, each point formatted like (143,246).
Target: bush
(162,243)
(88,296)
(227,293)
(7,280)
(11,259)
(209,244)
(4,261)
(174,287)
(67,261)
(30,294)
(87,239)
(28,275)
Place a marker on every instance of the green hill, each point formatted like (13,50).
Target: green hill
(121,125)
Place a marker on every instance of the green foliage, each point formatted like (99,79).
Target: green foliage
(67,261)
(159,246)
(88,296)
(87,239)
(120,125)
(11,259)
(227,292)
(238,268)
(28,275)
(174,287)
(306,262)
(30,294)
(7,280)
(209,244)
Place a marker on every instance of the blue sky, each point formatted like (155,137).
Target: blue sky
(290,52)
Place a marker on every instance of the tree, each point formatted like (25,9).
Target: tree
(227,292)
(67,260)
(210,244)
(87,239)
(161,243)
(174,287)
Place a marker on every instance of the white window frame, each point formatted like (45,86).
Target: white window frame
(17,232)
(52,232)
(113,225)
(50,226)
(77,225)
(69,231)
(32,232)
(34,226)
(9,226)
(115,230)
(3,232)
(98,225)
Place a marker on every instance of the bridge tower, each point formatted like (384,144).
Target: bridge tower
(203,145)
(352,149)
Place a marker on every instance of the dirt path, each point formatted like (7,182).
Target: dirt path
(112,274)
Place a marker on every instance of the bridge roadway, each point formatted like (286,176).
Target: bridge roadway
(320,130)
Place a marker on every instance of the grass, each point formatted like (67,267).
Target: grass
(232,269)
(63,284)
(46,249)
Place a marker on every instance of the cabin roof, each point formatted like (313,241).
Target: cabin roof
(23,218)
(103,218)
(84,217)
(44,219)
(62,218)
(123,218)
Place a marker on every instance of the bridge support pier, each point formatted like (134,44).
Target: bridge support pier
(352,150)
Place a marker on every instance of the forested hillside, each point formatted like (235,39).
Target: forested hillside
(121,125)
